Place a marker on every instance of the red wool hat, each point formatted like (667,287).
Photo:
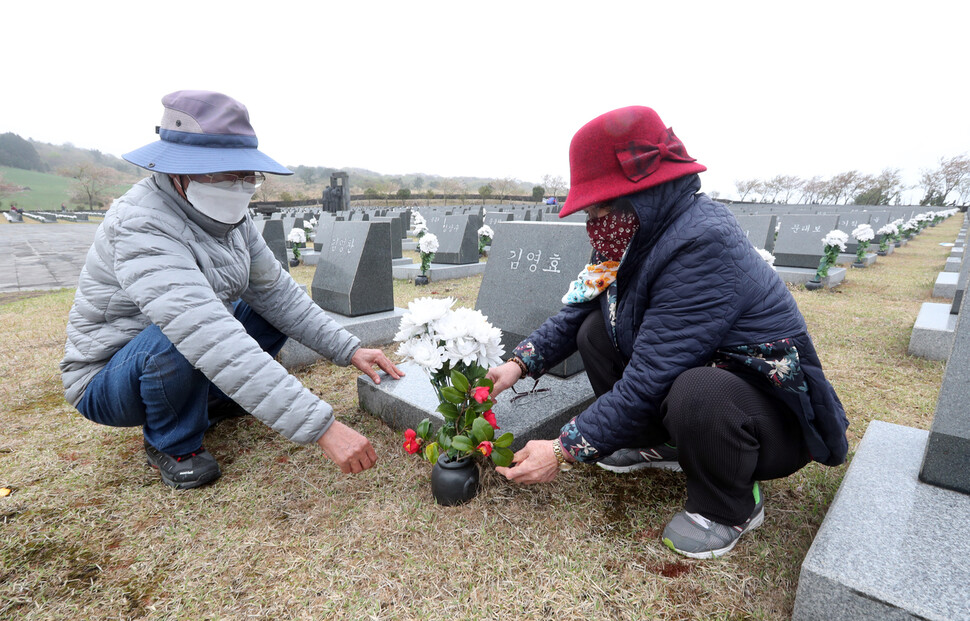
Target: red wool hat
(623,152)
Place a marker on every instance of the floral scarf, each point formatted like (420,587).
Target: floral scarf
(592,281)
(611,234)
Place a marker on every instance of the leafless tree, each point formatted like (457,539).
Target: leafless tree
(90,183)
(745,187)
(787,186)
(813,190)
(841,186)
(554,185)
(948,177)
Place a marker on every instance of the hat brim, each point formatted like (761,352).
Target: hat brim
(180,159)
(597,190)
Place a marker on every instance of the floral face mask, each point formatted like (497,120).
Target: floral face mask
(611,234)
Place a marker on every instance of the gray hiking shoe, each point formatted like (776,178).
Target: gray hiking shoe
(694,535)
(185,471)
(627,460)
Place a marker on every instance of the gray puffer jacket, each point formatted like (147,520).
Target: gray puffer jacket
(157,260)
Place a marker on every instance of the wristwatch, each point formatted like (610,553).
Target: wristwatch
(560,456)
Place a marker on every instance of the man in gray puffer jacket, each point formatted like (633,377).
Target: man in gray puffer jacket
(181,306)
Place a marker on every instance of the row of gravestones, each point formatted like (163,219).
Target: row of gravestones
(889,547)
(935,326)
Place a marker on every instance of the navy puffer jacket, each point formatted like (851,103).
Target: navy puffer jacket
(689,285)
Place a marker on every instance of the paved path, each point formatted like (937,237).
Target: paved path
(43,256)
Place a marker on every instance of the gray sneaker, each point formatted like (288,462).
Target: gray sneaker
(185,471)
(694,535)
(627,460)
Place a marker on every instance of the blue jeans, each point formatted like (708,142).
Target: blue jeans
(149,383)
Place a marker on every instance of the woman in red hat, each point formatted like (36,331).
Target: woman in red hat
(697,353)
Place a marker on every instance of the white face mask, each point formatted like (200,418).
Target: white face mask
(223,204)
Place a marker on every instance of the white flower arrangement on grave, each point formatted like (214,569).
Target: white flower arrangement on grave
(768,257)
(888,232)
(485,235)
(297,237)
(455,348)
(832,245)
(862,234)
(419,223)
(427,246)
(922,220)
(911,227)
(309,226)
(898,223)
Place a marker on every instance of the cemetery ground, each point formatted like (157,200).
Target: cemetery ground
(89,531)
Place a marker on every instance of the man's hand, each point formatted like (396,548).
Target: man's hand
(365,359)
(347,448)
(503,376)
(535,463)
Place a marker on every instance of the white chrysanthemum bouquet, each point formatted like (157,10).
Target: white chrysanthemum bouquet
(863,234)
(888,233)
(833,243)
(297,237)
(485,235)
(427,246)
(455,348)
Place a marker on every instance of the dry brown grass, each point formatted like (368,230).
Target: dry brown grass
(89,531)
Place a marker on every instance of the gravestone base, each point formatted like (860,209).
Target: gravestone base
(438,271)
(310,257)
(409,245)
(953,264)
(373,330)
(889,249)
(946,285)
(404,403)
(401,261)
(890,547)
(846,258)
(933,332)
(801,275)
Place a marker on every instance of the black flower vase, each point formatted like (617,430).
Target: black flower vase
(421,279)
(454,482)
(814,284)
(859,264)
(294,262)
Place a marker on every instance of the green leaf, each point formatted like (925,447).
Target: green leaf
(459,381)
(503,440)
(486,382)
(431,452)
(476,374)
(501,456)
(462,443)
(482,429)
(448,410)
(424,429)
(451,394)
(484,406)
(470,415)
(444,438)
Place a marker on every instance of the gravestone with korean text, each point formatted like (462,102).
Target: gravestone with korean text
(457,238)
(529,270)
(799,242)
(353,275)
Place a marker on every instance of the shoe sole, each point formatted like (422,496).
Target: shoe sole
(757,521)
(662,465)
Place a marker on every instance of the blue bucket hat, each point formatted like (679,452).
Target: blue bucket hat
(204,132)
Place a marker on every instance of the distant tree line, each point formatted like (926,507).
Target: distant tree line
(948,184)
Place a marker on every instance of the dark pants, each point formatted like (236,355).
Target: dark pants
(149,383)
(728,432)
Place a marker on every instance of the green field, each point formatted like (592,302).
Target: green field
(47,191)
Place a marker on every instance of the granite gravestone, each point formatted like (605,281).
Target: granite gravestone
(946,462)
(457,239)
(759,229)
(272,233)
(799,242)
(396,234)
(491,219)
(528,272)
(353,275)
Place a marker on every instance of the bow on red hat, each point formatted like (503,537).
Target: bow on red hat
(639,158)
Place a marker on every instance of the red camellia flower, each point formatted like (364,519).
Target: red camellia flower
(412,443)
(480,394)
(489,417)
(485,448)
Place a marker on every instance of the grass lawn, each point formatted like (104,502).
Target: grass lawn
(90,532)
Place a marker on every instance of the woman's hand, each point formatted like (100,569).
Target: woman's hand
(503,376)
(535,463)
(365,359)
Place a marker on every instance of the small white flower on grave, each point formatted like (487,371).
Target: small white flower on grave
(486,231)
(313,221)
(428,244)
(417,218)
(863,233)
(835,238)
(297,236)
(888,229)
(424,352)
(767,256)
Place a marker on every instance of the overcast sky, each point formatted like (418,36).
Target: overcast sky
(497,89)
